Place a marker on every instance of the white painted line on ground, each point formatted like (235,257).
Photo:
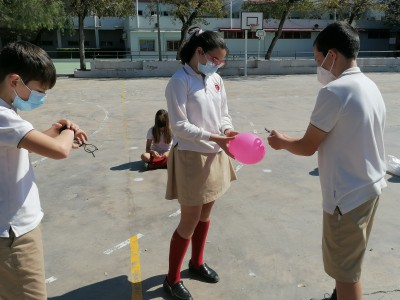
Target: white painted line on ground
(134,148)
(121,245)
(175,214)
(238,167)
(50,280)
(138,179)
(267,171)
(38,161)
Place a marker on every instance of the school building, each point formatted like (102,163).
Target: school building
(138,36)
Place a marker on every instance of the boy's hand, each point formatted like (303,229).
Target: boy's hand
(80,137)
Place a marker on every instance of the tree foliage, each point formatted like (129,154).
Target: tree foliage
(277,9)
(350,10)
(392,12)
(194,12)
(27,19)
(100,8)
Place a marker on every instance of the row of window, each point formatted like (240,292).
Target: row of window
(252,35)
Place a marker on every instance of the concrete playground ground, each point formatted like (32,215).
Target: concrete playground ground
(107,227)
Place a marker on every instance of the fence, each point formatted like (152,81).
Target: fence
(251,55)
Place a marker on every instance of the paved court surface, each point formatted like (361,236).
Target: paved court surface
(107,224)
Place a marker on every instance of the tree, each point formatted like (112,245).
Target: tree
(278,9)
(392,12)
(28,19)
(100,8)
(193,12)
(350,10)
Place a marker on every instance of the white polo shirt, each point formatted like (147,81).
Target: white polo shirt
(196,109)
(161,146)
(19,197)
(351,158)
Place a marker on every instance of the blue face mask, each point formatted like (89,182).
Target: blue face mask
(35,100)
(208,69)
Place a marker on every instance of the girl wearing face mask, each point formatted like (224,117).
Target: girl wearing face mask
(199,167)
(159,142)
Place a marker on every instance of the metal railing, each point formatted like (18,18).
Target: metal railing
(251,55)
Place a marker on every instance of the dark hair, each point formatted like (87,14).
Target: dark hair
(161,117)
(207,40)
(341,36)
(29,61)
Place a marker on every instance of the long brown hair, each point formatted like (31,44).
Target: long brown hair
(161,118)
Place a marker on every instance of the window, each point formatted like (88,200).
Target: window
(233,35)
(106,44)
(147,45)
(46,43)
(76,43)
(172,45)
(378,34)
(298,35)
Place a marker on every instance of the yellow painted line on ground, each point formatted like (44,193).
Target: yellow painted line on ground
(135,269)
(134,244)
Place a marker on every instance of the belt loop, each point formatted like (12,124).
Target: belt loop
(339,213)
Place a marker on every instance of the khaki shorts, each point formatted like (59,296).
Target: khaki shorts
(345,240)
(198,178)
(22,267)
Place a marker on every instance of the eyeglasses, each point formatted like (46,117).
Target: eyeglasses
(89,148)
(216,61)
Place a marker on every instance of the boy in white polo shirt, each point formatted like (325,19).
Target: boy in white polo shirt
(346,128)
(26,72)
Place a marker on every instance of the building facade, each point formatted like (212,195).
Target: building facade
(137,37)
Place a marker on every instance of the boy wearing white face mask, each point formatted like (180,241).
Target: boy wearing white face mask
(26,72)
(346,128)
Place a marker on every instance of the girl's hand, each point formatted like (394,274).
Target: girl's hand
(154,153)
(230,132)
(222,141)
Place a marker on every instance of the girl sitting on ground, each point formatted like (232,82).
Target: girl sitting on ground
(159,141)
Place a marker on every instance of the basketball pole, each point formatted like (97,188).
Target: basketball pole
(245,52)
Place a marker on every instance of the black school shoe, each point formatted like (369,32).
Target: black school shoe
(177,290)
(331,297)
(204,272)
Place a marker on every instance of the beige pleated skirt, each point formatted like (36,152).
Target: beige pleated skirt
(198,178)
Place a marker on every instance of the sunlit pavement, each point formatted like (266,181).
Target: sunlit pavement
(107,225)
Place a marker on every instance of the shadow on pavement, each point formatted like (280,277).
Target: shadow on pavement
(394,179)
(132,166)
(118,288)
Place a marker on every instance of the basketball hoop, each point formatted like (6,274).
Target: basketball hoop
(253,27)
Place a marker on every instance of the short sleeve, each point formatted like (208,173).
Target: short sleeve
(149,134)
(12,128)
(327,110)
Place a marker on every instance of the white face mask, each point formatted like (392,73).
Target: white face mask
(324,76)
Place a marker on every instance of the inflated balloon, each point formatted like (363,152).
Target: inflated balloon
(247,148)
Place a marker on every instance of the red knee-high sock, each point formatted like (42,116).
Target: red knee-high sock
(177,251)
(198,243)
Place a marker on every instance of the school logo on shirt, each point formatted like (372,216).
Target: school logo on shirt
(217,87)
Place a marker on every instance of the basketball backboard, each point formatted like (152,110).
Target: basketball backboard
(251,20)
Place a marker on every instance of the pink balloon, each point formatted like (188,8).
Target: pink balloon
(247,148)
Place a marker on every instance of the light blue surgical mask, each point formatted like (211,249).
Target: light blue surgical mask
(35,100)
(208,69)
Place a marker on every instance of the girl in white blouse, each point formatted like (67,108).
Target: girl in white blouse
(199,167)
